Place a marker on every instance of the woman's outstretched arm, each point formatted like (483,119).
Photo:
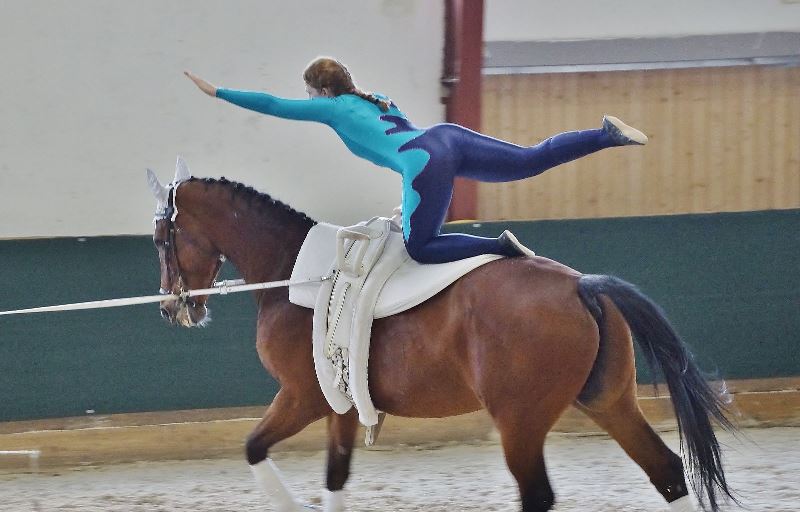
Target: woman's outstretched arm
(317,109)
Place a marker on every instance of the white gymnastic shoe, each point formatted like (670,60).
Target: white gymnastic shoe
(507,239)
(621,133)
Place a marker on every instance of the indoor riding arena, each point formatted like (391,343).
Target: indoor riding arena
(506,386)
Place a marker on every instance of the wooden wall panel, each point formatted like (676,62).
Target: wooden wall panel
(721,139)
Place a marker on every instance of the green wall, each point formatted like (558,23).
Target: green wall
(115,360)
(729,282)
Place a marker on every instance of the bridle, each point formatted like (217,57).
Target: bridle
(169,213)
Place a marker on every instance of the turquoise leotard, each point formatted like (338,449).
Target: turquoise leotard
(358,123)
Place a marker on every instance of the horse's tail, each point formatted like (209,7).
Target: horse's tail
(693,400)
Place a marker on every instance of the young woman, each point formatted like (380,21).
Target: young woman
(428,159)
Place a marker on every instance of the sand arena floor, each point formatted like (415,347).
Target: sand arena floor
(587,473)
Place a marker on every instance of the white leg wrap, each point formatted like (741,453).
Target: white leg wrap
(333,501)
(682,505)
(268,478)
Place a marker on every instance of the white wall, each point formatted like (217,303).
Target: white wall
(530,20)
(93,93)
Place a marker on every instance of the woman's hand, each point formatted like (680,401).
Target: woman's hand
(202,84)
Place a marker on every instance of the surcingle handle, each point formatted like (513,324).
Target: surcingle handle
(354,233)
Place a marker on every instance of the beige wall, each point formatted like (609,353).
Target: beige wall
(93,94)
(524,20)
(721,139)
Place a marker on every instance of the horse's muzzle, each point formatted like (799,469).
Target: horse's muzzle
(169,311)
(184,313)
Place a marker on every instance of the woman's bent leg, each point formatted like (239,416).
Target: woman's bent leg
(422,232)
(453,247)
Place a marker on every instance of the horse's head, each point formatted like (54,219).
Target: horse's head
(188,259)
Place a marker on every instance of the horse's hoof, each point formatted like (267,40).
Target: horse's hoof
(682,505)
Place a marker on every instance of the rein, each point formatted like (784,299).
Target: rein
(219,288)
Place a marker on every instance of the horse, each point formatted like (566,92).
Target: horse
(523,338)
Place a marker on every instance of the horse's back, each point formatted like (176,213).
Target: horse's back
(513,327)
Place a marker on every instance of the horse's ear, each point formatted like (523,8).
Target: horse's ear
(160,192)
(181,171)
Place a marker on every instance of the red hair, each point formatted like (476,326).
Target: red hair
(332,75)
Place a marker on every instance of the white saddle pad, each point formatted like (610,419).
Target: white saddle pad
(410,285)
(386,281)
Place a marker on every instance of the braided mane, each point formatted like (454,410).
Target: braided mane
(254,197)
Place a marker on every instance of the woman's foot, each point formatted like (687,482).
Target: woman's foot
(621,133)
(514,246)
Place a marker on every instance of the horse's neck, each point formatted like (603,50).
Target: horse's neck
(263,246)
(265,253)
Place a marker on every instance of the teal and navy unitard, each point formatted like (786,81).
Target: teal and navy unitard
(428,159)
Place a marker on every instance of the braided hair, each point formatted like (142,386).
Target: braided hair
(327,73)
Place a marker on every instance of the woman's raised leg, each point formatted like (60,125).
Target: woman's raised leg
(488,159)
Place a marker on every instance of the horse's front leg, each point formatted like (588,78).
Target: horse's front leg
(342,430)
(286,416)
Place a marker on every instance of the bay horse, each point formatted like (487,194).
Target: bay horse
(523,338)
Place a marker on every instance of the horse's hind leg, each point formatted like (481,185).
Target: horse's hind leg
(286,416)
(522,434)
(342,430)
(609,398)
(624,421)
(523,446)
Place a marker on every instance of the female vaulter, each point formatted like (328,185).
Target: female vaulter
(428,159)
